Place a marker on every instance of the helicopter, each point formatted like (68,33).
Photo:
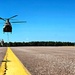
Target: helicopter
(8,27)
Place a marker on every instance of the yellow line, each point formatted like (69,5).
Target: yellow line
(13,65)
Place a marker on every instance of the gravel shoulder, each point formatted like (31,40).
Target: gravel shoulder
(47,60)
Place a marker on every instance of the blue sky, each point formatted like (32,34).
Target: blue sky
(47,20)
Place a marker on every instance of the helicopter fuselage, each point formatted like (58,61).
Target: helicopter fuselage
(7,27)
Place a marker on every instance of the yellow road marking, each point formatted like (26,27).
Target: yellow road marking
(13,65)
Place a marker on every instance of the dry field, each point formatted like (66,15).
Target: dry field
(47,60)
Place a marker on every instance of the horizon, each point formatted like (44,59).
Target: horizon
(38,41)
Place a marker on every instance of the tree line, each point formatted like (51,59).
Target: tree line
(39,43)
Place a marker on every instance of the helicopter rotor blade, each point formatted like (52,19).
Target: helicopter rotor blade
(19,22)
(12,16)
(2,19)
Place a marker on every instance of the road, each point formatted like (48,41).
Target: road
(2,53)
(45,60)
